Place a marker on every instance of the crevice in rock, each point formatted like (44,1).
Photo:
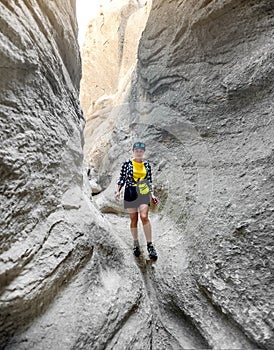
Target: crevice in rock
(186,324)
(229,319)
(118,327)
(161,315)
(205,3)
(208,62)
(9,275)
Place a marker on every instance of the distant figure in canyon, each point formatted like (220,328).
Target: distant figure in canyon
(137,176)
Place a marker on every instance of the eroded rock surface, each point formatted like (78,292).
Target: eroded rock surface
(109,59)
(45,217)
(215,69)
(201,98)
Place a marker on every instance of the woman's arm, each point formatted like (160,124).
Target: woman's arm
(122,177)
(149,177)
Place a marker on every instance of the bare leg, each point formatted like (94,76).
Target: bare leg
(145,221)
(133,213)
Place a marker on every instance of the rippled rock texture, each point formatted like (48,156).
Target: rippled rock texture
(212,66)
(109,59)
(45,220)
(201,98)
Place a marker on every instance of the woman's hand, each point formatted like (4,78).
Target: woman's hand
(118,196)
(155,199)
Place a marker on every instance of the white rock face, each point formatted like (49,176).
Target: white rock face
(46,218)
(212,67)
(110,50)
(109,59)
(201,98)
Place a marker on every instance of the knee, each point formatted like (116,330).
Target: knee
(134,221)
(144,219)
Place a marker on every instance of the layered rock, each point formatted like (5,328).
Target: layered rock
(45,219)
(109,59)
(212,65)
(201,98)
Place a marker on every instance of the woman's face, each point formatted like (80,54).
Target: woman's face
(138,152)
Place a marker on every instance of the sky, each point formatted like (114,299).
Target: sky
(86,9)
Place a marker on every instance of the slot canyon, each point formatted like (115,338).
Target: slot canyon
(194,81)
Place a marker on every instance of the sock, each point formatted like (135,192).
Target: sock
(149,244)
(136,243)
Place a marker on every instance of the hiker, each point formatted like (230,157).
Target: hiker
(136,175)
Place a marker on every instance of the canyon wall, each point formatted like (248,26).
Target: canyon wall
(45,219)
(212,66)
(200,97)
(109,58)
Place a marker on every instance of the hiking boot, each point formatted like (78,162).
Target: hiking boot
(152,252)
(136,251)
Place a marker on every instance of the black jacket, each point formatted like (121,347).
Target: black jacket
(126,174)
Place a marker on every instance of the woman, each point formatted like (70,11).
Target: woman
(136,175)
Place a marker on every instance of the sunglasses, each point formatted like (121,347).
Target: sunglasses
(139,144)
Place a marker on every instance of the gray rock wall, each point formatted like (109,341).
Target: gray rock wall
(210,63)
(44,214)
(39,85)
(109,57)
(201,98)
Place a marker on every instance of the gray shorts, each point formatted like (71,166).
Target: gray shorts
(133,199)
